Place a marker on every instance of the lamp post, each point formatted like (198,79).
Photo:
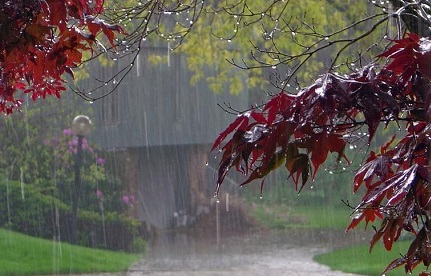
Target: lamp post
(81,126)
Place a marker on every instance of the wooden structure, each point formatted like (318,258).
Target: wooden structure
(161,129)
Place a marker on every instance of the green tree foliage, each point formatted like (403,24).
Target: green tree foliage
(253,34)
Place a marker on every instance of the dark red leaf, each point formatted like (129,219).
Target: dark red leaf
(240,123)
(296,166)
(395,263)
(258,117)
(376,166)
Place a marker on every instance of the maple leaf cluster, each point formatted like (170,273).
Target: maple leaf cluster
(299,131)
(42,40)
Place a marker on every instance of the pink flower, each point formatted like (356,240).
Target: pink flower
(125,200)
(74,142)
(100,161)
(84,144)
(128,199)
(99,194)
(67,131)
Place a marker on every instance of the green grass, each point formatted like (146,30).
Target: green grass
(283,216)
(25,255)
(358,260)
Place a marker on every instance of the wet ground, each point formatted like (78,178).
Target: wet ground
(287,252)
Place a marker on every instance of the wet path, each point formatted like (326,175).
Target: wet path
(263,253)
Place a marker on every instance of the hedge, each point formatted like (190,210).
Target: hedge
(25,209)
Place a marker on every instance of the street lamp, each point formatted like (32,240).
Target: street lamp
(81,126)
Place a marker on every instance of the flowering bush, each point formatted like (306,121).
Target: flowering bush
(92,168)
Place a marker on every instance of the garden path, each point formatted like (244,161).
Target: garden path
(266,253)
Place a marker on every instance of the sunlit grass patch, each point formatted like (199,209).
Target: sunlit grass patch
(25,255)
(358,260)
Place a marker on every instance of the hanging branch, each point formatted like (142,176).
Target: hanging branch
(297,132)
(169,22)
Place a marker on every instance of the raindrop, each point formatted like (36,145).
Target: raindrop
(229,40)
(261,196)
(206,163)
(274,67)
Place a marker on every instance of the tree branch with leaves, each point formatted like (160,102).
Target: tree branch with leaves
(42,40)
(298,131)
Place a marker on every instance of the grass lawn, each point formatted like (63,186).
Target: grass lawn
(355,259)
(358,260)
(25,255)
(282,216)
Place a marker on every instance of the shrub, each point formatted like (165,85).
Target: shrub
(25,209)
(139,245)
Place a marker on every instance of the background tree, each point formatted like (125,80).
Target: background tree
(299,131)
